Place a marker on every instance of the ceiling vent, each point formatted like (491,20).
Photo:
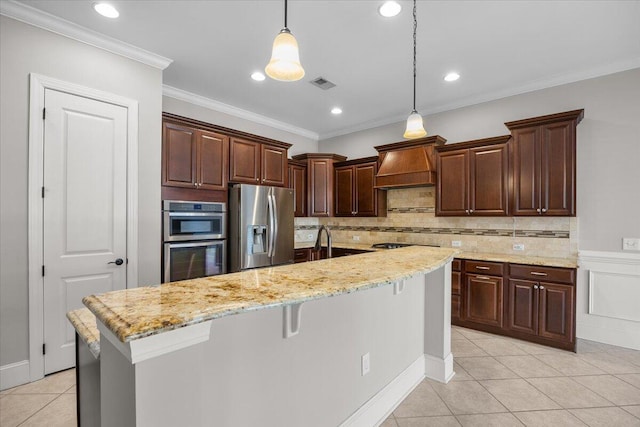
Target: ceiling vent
(322,83)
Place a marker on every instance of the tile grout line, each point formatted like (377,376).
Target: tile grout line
(32,415)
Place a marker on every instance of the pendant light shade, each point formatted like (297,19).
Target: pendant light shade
(285,60)
(415,128)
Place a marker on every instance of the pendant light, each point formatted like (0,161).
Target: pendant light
(415,128)
(285,60)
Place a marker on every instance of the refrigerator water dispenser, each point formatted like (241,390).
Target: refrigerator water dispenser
(257,243)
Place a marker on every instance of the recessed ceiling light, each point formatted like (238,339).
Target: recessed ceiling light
(389,9)
(452,77)
(257,76)
(106,10)
(336,110)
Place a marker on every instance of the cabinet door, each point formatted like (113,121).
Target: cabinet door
(488,172)
(483,299)
(213,152)
(179,156)
(526,171)
(453,172)
(344,189)
(320,174)
(298,182)
(274,165)
(302,255)
(244,161)
(558,180)
(365,200)
(556,311)
(523,306)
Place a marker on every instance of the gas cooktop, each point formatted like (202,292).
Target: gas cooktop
(389,245)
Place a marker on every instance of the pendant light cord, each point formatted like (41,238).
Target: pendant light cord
(415,27)
(285,13)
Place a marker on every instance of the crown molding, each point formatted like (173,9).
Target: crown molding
(546,83)
(211,104)
(49,22)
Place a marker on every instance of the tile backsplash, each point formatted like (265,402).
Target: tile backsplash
(411,219)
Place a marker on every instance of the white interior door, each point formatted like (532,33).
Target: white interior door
(85,212)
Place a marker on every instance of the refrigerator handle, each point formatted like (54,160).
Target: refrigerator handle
(276,216)
(271,225)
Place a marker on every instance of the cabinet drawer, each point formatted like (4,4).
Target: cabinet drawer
(456,265)
(484,267)
(543,274)
(301,255)
(456,279)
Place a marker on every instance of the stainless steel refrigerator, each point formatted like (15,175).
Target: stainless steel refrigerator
(260,226)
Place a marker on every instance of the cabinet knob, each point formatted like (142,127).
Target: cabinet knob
(544,210)
(467,211)
(195,184)
(538,210)
(535,286)
(541,287)
(470,210)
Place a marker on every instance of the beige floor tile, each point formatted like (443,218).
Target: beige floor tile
(606,417)
(500,347)
(59,413)
(561,418)
(631,356)
(633,410)
(535,349)
(476,335)
(633,379)
(568,393)
(461,374)
(528,366)
(489,420)
(485,368)
(14,409)
(71,389)
(611,388)
(518,395)
(457,335)
(421,402)
(586,346)
(5,392)
(389,422)
(461,348)
(468,397)
(55,383)
(610,363)
(569,364)
(446,421)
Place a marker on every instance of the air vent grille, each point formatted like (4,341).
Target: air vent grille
(322,83)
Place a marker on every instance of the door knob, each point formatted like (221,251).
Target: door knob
(118,261)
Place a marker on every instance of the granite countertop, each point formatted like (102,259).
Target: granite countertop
(84,322)
(570,262)
(348,245)
(139,312)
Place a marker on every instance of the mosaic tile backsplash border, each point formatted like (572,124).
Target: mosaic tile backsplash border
(554,234)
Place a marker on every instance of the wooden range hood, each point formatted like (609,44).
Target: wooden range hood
(408,163)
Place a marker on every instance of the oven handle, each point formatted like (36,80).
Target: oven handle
(197,214)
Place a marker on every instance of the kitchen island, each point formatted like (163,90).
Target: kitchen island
(332,342)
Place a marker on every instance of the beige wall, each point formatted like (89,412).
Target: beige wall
(26,49)
(301,144)
(608,147)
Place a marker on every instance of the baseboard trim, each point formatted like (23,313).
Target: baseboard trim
(437,369)
(14,374)
(382,404)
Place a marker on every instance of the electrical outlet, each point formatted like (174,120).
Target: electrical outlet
(630,244)
(456,243)
(366,364)
(518,246)
(356,238)
(309,236)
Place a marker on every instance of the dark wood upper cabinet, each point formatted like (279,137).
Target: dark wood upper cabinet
(355,192)
(274,166)
(320,182)
(473,178)
(298,182)
(543,158)
(244,161)
(194,158)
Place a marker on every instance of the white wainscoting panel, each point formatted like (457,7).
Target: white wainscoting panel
(608,298)
(14,374)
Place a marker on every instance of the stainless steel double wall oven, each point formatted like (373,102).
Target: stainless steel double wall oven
(194,238)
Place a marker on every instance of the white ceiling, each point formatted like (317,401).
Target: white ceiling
(500,48)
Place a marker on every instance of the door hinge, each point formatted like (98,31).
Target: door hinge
(44,349)
(43,192)
(43,271)
(44,113)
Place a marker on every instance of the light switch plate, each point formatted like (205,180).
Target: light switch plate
(366,364)
(630,244)
(356,238)
(309,236)
(456,243)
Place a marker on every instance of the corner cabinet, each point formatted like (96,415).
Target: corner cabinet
(255,162)
(298,182)
(543,158)
(355,194)
(320,182)
(473,178)
(193,158)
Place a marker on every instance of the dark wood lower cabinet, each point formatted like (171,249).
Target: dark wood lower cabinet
(535,304)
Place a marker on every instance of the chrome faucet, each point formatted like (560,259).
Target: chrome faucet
(319,240)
